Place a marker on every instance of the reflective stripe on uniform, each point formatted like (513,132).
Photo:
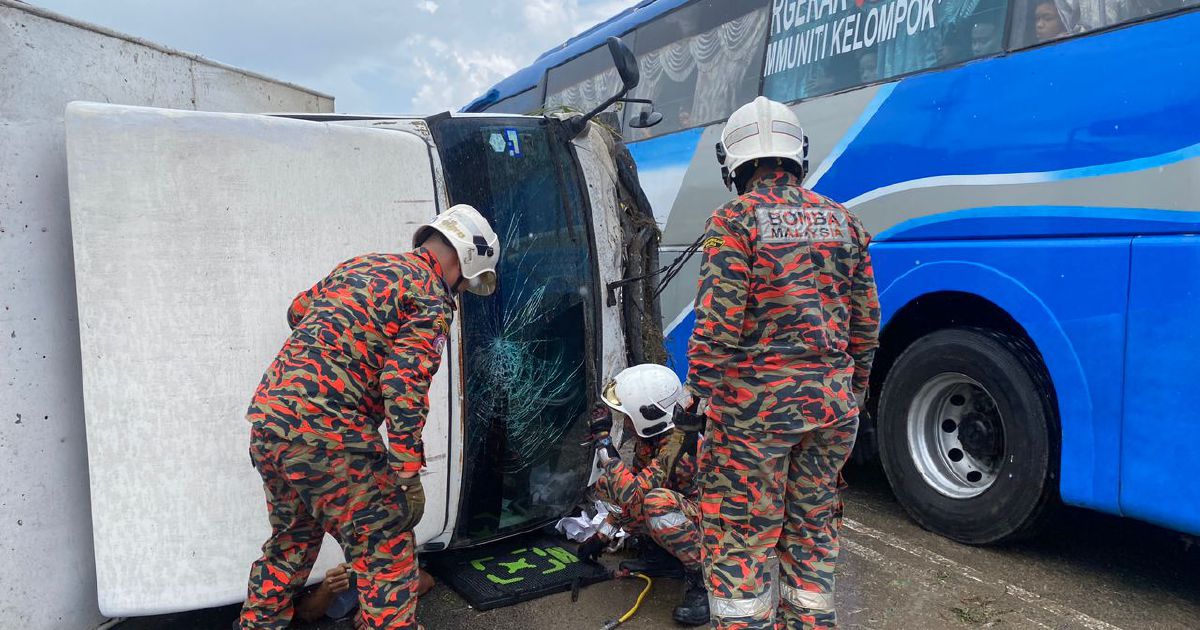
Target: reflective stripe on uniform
(736,608)
(670,520)
(615,509)
(810,600)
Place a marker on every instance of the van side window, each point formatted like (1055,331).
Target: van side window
(699,63)
(1041,21)
(820,46)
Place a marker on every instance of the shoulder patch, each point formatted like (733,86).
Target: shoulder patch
(713,243)
(802,224)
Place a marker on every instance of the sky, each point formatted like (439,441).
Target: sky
(374,56)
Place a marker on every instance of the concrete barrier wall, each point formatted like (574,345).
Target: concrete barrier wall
(47,572)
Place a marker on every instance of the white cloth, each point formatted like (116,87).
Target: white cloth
(583,527)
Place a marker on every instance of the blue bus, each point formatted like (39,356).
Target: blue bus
(1030,171)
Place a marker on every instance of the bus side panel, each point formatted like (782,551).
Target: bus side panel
(1074,315)
(1160,458)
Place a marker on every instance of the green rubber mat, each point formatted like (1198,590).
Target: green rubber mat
(513,571)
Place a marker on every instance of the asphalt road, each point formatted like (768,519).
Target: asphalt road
(1086,571)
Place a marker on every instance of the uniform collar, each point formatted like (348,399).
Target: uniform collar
(777,178)
(434,266)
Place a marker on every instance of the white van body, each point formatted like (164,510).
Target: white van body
(192,232)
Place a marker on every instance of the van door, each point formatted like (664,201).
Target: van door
(192,232)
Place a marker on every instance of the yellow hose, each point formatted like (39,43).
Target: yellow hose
(633,611)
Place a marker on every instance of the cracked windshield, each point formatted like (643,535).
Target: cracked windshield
(527,346)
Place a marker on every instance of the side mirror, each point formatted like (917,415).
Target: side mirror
(627,67)
(625,63)
(646,119)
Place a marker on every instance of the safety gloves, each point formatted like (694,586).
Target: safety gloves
(590,549)
(601,422)
(600,427)
(414,500)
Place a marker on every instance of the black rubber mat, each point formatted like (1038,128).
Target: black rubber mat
(513,571)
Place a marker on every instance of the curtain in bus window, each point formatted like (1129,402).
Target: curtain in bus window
(820,46)
(698,79)
(586,94)
(1040,21)
(702,78)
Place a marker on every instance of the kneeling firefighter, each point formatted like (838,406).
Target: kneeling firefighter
(658,500)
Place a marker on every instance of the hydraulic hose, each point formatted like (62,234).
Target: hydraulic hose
(609,625)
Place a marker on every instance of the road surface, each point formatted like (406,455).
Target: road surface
(1087,571)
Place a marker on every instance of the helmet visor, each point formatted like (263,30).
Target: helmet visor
(482,284)
(610,394)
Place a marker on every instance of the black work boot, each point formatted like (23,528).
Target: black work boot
(693,611)
(653,561)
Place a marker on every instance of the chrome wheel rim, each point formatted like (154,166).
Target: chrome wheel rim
(956,435)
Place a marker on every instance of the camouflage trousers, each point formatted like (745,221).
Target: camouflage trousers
(770,513)
(354,497)
(673,521)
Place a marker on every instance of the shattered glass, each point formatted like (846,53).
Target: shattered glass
(526,347)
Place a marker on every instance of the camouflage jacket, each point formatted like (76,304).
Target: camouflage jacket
(786,291)
(624,486)
(365,344)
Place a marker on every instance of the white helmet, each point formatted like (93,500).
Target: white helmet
(758,130)
(648,394)
(472,237)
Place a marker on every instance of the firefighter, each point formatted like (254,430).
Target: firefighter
(658,499)
(365,344)
(786,329)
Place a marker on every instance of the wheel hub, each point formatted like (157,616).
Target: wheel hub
(979,435)
(956,435)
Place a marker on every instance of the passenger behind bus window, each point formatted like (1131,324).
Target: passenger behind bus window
(985,38)
(1048,22)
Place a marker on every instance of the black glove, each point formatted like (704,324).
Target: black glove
(688,421)
(590,549)
(601,422)
(414,500)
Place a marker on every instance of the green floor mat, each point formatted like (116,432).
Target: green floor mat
(516,570)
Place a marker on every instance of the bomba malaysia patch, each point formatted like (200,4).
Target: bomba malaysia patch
(792,224)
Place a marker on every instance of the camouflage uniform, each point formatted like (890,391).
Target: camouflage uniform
(365,344)
(642,502)
(673,521)
(786,328)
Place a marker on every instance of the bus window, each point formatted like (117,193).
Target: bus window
(524,103)
(526,348)
(820,46)
(584,82)
(699,63)
(1040,21)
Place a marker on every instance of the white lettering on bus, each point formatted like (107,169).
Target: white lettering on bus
(860,29)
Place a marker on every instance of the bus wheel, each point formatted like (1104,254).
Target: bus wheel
(968,435)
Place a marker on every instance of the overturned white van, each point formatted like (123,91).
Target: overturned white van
(192,231)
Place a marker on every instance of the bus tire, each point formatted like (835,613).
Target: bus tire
(968,435)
